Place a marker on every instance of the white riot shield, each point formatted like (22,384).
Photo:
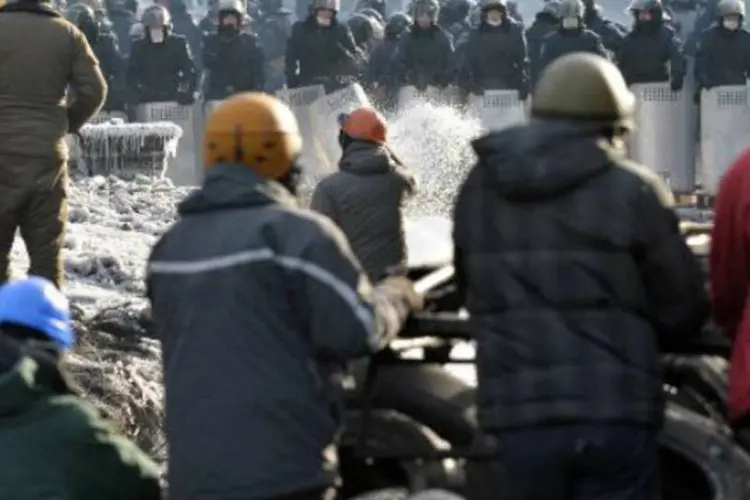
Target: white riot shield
(498,109)
(725,131)
(300,100)
(185,168)
(409,96)
(663,140)
(326,112)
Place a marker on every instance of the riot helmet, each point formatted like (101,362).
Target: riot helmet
(585,88)
(732,14)
(646,11)
(571,14)
(493,11)
(83,17)
(397,25)
(137,32)
(157,23)
(231,16)
(271,6)
(325,11)
(454,11)
(376,5)
(552,9)
(362,30)
(374,15)
(425,12)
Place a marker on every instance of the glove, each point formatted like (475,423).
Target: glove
(676,85)
(523,92)
(400,290)
(477,91)
(697,96)
(185,98)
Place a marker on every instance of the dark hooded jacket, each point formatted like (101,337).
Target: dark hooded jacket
(651,53)
(257,305)
(544,24)
(574,272)
(366,200)
(608,31)
(54,445)
(566,41)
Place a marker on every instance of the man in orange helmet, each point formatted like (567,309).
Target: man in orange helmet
(259,305)
(366,197)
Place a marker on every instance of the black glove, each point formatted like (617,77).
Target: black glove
(477,91)
(676,84)
(523,93)
(697,96)
(185,98)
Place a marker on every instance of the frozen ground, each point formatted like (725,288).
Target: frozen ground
(114,223)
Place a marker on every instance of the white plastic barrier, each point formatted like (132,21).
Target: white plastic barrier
(663,140)
(185,168)
(300,100)
(498,109)
(326,112)
(725,131)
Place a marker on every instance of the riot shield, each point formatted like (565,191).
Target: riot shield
(663,140)
(498,109)
(184,169)
(326,111)
(409,96)
(300,100)
(725,131)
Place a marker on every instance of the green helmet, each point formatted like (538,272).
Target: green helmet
(584,86)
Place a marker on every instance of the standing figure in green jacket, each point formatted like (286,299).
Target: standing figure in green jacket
(52,443)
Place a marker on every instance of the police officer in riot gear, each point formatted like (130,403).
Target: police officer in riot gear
(184,25)
(723,56)
(232,59)
(495,56)
(426,55)
(366,33)
(572,36)
(454,16)
(321,50)
(274,27)
(160,67)
(567,307)
(104,46)
(122,22)
(546,21)
(651,52)
(380,76)
(609,32)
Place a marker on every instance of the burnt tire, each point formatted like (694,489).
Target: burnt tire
(426,393)
(387,432)
(698,383)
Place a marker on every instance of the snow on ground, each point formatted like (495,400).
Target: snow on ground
(114,223)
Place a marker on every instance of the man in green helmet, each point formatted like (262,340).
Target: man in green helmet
(573,269)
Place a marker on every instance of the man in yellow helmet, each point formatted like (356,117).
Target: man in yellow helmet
(259,305)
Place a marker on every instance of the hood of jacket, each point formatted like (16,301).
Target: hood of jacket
(34,376)
(366,158)
(230,186)
(543,159)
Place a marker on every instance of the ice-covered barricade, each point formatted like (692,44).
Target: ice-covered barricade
(126,150)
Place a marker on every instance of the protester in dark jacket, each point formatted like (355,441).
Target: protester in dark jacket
(574,272)
(366,198)
(259,305)
(52,443)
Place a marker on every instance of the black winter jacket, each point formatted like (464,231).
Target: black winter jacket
(544,24)
(426,57)
(366,200)
(158,71)
(495,58)
(574,272)
(722,58)
(234,64)
(566,41)
(651,53)
(258,305)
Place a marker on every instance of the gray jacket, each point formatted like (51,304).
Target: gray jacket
(366,199)
(256,304)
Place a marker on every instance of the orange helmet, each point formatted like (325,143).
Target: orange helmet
(254,129)
(365,124)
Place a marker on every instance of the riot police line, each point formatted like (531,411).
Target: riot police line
(667,139)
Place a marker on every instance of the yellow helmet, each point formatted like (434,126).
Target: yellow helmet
(256,130)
